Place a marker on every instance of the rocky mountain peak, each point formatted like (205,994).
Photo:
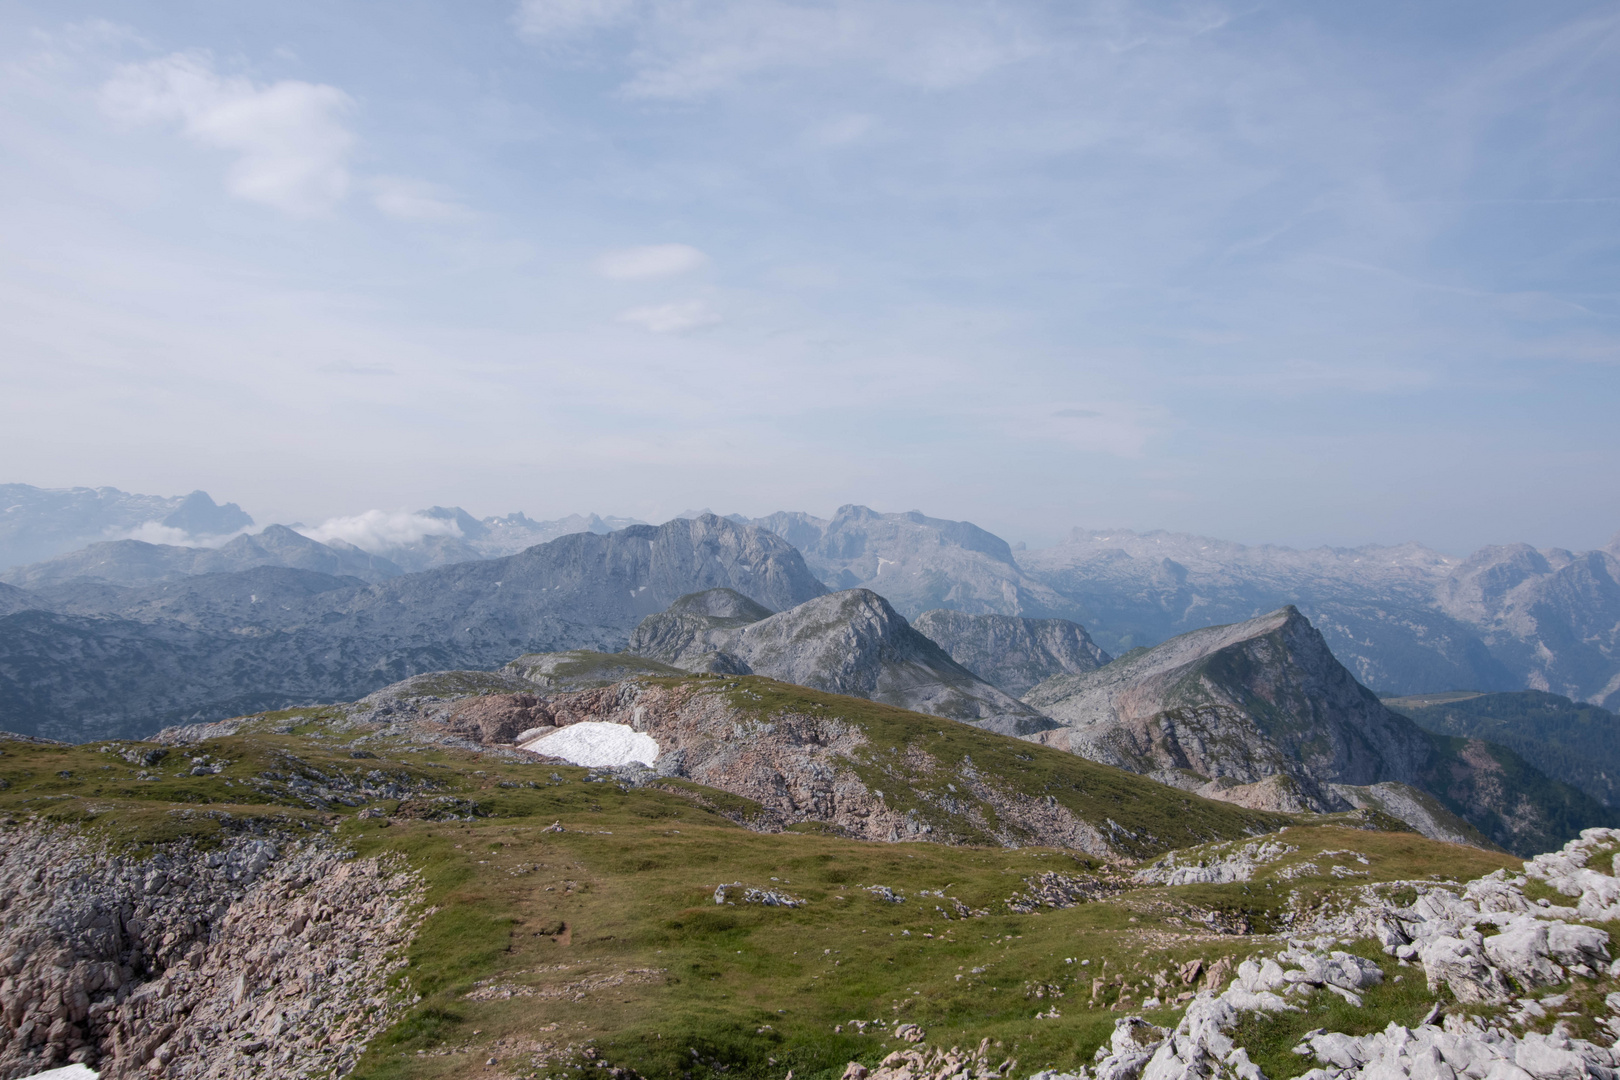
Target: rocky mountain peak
(720,604)
(1225,710)
(851,642)
(199,515)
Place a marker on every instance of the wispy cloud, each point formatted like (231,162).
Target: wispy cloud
(413,200)
(549,20)
(650,261)
(291,139)
(676,318)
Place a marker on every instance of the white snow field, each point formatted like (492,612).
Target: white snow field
(69,1072)
(595,743)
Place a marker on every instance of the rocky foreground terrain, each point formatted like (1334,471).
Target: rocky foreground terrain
(800,881)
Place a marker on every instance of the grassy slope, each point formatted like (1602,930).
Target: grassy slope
(608,935)
(1150,817)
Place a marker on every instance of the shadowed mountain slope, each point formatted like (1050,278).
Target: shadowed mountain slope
(1568,740)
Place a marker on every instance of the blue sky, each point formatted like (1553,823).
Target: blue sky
(1301,273)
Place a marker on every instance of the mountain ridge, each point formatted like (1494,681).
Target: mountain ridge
(850,642)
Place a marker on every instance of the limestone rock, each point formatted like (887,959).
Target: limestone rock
(1010,652)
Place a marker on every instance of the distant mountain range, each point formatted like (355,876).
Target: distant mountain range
(1404,619)
(83,659)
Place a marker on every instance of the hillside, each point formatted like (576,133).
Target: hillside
(314,890)
(1261,711)
(849,642)
(1009,652)
(101,661)
(1568,740)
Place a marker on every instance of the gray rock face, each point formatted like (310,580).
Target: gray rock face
(134,562)
(1009,652)
(918,563)
(130,964)
(697,630)
(1247,701)
(850,642)
(105,661)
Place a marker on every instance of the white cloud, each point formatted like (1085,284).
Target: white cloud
(154,532)
(379,530)
(651,261)
(414,200)
(291,139)
(676,318)
(542,19)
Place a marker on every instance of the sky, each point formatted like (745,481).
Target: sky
(1273,272)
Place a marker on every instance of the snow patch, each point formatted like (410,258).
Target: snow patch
(595,743)
(70,1072)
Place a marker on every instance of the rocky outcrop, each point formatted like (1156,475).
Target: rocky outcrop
(1532,946)
(1417,808)
(1261,713)
(261,958)
(801,766)
(772,756)
(850,642)
(110,661)
(1009,652)
(696,629)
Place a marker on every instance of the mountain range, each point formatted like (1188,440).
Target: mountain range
(1404,619)
(95,660)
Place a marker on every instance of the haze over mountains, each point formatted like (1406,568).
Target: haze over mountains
(1403,619)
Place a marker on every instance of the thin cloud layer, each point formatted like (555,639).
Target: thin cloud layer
(291,139)
(650,261)
(677,318)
